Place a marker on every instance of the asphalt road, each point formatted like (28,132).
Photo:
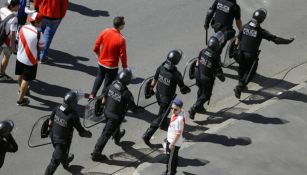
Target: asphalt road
(152,29)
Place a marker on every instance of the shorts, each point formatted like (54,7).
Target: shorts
(28,72)
(6,51)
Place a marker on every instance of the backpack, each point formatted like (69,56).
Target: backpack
(3,35)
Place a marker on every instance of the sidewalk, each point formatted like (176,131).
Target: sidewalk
(267,140)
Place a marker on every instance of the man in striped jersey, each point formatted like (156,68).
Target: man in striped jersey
(30,42)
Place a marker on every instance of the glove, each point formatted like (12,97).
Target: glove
(86,134)
(185,89)
(206,26)
(148,90)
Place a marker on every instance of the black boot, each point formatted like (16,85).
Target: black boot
(192,112)
(69,159)
(148,134)
(238,91)
(118,136)
(202,110)
(97,157)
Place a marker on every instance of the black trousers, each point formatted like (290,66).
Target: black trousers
(106,75)
(160,121)
(112,127)
(204,92)
(246,61)
(172,159)
(59,155)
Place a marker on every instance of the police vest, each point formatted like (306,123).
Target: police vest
(115,103)
(62,127)
(250,39)
(166,85)
(223,15)
(206,63)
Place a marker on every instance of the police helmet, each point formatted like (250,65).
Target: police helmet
(125,76)
(213,43)
(260,15)
(70,99)
(174,56)
(6,127)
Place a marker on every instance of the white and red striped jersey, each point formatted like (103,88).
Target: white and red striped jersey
(27,45)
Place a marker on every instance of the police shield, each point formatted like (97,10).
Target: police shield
(229,53)
(37,137)
(93,113)
(145,96)
(188,74)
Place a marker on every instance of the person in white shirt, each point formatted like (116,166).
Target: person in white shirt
(30,42)
(174,136)
(11,27)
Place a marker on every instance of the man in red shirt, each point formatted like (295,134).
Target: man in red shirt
(53,12)
(110,46)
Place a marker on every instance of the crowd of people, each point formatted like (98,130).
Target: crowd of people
(34,39)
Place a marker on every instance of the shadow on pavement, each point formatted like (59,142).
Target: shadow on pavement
(215,118)
(137,80)
(86,11)
(75,169)
(264,96)
(143,115)
(44,88)
(221,139)
(186,173)
(68,61)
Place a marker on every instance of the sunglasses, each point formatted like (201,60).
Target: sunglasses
(175,109)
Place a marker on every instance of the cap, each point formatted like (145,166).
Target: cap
(35,17)
(118,21)
(178,102)
(13,2)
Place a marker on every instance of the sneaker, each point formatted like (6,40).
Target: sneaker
(23,102)
(4,77)
(98,157)
(70,158)
(45,60)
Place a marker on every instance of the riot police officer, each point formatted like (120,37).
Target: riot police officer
(249,40)
(7,141)
(221,15)
(62,122)
(167,77)
(117,100)
(206,68)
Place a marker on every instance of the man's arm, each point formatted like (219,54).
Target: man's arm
(210,15)
(237,14)
(41,42)
(12,34)
(277,40)
(123,54)
(12,145)
(64,6)
(98,43)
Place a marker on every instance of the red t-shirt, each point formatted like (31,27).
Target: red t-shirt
(52,8)
(112,46)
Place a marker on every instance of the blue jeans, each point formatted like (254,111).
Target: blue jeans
(49,28)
